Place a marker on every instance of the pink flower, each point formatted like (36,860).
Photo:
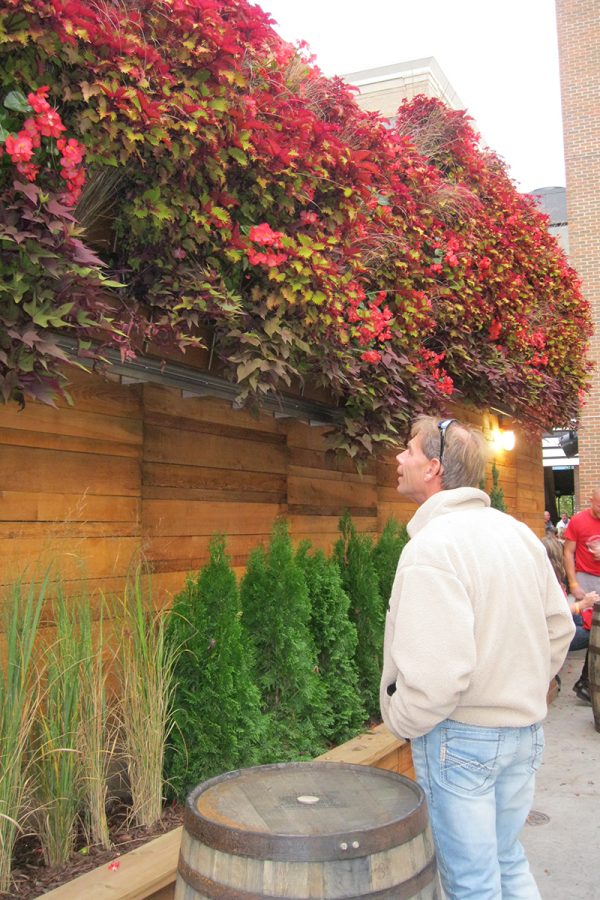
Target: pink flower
(19,147)
(72,151)
(265,259)
(50,123)
(29,170)
(37,100)
(308,218)
(114,865)
(31,130)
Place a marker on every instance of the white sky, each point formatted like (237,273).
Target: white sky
(500,57)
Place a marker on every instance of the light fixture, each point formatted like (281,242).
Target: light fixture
(503,440)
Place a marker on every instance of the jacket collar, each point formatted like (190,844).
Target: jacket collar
(460,499)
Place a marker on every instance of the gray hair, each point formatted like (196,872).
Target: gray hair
(465,451)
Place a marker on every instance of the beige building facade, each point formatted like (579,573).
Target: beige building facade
(383,89)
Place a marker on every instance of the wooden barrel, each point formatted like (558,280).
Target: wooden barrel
(307,830)
(594,664)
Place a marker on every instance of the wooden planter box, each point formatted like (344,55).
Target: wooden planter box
(148,873)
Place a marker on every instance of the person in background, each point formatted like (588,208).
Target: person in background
(581,554)
(561,525)
(548,526)
(581,638)
(477,627)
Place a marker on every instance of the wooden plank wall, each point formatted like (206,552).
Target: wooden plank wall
(138,470)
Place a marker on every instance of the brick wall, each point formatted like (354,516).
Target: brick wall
(578,23)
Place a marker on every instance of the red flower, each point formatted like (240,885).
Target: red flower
(264,234)
(72,151)
(265,259)
(29,170)
(494,330)
(371,356)
(19,147)
(37,100)
(31,130)
(50,123)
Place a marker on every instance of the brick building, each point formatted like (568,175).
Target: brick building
(578,23)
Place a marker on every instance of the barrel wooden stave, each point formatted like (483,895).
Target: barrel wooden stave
(359,877)
(407,870)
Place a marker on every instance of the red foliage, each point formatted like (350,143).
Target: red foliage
(394,266)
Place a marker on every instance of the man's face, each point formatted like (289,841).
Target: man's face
(595,504)
(546,516)
(413,466)
(564,517)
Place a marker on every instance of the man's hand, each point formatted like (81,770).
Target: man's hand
(577,591)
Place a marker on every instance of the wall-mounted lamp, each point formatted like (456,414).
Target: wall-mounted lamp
(503,440)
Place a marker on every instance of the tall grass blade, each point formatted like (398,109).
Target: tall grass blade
(56,763)
(97,730)
(18,699)
(146,663)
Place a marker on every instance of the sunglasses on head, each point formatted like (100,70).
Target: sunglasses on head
(443,427)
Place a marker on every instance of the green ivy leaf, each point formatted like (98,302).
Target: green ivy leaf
(239,156)
(17,101)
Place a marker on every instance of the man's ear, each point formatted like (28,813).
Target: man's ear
(434,469)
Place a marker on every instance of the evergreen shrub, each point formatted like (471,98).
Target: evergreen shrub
(276,616)
(335,639)
(386,554)
(218,724)
(497,494)
(353,554)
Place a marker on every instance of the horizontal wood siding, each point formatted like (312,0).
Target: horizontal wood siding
(70,485)
(140,470)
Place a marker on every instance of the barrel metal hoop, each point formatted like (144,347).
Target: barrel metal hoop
(304,847)
(208,888)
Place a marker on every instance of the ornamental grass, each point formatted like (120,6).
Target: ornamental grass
(145,663)
(56,763)
(98,730)
(18,702)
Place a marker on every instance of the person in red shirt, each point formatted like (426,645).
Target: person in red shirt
(582,566)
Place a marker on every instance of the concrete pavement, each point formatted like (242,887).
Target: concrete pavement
(564,849)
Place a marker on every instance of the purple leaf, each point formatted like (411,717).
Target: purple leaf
(31,191)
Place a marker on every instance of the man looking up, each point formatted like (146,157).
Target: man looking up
(476,628)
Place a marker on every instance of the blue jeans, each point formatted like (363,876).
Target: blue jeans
(479,785)
(581,638)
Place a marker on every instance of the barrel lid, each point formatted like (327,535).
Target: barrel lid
(312,811)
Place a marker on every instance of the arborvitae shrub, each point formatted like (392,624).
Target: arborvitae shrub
(497,494)
(335,639)
(386,554)
(276,614)
(218,721)
(353,554)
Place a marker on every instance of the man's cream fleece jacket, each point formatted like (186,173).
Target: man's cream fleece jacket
(477,623)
